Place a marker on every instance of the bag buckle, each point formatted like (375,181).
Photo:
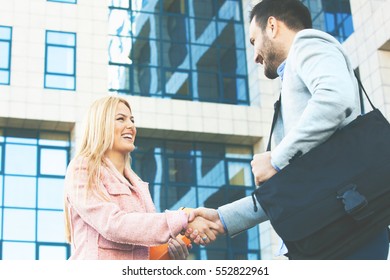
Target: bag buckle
(353,200)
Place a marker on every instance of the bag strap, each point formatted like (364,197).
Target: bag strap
(277,106)
(360,94)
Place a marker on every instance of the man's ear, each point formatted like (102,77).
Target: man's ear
(272,27)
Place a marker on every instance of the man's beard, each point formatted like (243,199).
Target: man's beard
(271,65)
(272,61)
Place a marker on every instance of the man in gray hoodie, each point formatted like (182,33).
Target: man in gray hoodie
(319,95)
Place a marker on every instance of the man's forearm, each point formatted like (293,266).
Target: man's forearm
(239,215)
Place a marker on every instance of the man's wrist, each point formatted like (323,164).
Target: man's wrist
(222,221)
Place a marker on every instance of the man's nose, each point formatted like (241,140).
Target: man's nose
(256,57)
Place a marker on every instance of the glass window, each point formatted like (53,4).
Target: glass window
(240,174)
(57,139)
(184,173)
(32,175)
(65,65)
(60,62)
(20,159)
(174,6)
(202,31)
(229,9)
(210,172)
(21,136)
(119,77)
(178,84)
(5,54)
(149,167)
(1,220)
(239,152)
(145,25)
(47,252)
(119,22)
(53,161)
(232,61)
(174,28)
(332,16)
(176,56)
(147,80)
(202,8)
(64,1)
(230,34)
(146,6)
(119,49)
(20,191)
(181,170)
(205,58)
(51,193)
(19,224)
(1,196)
(119,3)
(177,197)
(1,156)
(173,40)
(206,85)
(18,251)
(141,52)
(51,226)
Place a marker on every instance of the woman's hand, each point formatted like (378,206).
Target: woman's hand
(177,249)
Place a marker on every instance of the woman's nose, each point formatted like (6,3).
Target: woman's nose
(129,124)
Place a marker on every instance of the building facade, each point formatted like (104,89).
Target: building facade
(202,106)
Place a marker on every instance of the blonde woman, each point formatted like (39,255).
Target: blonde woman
(109,210)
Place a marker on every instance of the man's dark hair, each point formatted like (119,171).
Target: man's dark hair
(292,13)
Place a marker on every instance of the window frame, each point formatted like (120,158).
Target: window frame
(31,137)
(64,1)
(159,65)
(9,42)
(59,74)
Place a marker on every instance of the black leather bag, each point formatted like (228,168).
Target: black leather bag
(327,202)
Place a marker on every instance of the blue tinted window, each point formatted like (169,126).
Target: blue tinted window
(1,195)
(194,174)
(49,251)
(20,191)
(19,225)
(60,64)
(20,159)
(64,1)
(18,250)
(49,228)
(32,172)
(120,3)
(332,16)
(50,193)
(53,161)
(167,49)
(5,54)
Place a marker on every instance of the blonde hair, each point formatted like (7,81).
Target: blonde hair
(98,137)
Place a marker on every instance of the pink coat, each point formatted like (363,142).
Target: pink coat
(122,228)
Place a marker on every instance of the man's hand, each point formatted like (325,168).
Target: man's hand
(262,168)
(199,218)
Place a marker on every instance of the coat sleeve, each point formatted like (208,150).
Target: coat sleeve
(240,215)
(114,224)
(325,71)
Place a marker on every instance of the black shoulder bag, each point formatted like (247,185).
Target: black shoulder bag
(327,202)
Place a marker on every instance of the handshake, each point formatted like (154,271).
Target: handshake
(204,225)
